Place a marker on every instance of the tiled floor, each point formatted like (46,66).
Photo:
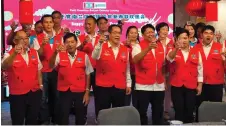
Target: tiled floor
(6,120)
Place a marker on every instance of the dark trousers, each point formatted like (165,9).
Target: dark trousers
(213,93)
(109,96)
(65,101)
(156,98)
(25,108)
(184,103)
(93,84)
(49,97)
(132,96)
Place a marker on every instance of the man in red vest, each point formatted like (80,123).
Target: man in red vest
(113,79)
(186,76)
(74,70)
(148,57)
(86,43)
(45,44)
(24,79)
(57,18)
(213,66)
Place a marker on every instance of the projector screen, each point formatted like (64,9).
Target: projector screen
(138,12)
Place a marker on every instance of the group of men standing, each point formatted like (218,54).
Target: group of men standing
(59,68)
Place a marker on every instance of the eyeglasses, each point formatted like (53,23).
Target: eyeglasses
(22,39)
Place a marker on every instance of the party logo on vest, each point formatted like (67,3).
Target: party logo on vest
(215,51)
(79,60)
(193,56)
(107,53)
(170,46)
(123,55)
(33,57)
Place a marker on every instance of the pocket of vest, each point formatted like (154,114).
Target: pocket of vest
(218,57)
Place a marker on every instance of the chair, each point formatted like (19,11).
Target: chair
(127,115)
(212,111)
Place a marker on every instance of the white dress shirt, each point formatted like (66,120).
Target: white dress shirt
(147,87)
(96,55)
(25,57)
(89,68)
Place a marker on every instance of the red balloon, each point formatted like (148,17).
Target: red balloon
(196,5)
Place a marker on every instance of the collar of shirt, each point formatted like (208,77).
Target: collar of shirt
(109,45)
(167,40)
(207,46)
(186,50)
(54,33)
(72,57)
(58,31)
(195,41)
(95,35)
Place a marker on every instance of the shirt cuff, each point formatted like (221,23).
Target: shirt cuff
(170,60)
(128,84)
(200,79)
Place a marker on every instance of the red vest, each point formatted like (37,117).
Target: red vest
(225,63)
(71,76)
(169,47)
(88,48)
(146,71)
(22,77)
(110,71)
(185,73)
(213,66)
(48,51)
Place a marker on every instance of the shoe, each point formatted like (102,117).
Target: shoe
(96,121)
(166,116)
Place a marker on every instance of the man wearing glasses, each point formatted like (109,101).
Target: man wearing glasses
(25,80)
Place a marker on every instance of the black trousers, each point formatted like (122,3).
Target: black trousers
(49,97)
(25,108)
(65,101)
(156,98)
(93,84)
(133,95)
(213,93)
(109,96)
(184,103)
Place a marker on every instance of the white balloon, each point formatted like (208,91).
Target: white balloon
(8,15)
(170,18)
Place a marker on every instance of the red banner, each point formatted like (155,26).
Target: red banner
(211,11)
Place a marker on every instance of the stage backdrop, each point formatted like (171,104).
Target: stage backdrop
(138,12)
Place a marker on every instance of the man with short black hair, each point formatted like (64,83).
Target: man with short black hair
(148,57)
(213,66)
(45,44)
(74,70)
(113,79)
